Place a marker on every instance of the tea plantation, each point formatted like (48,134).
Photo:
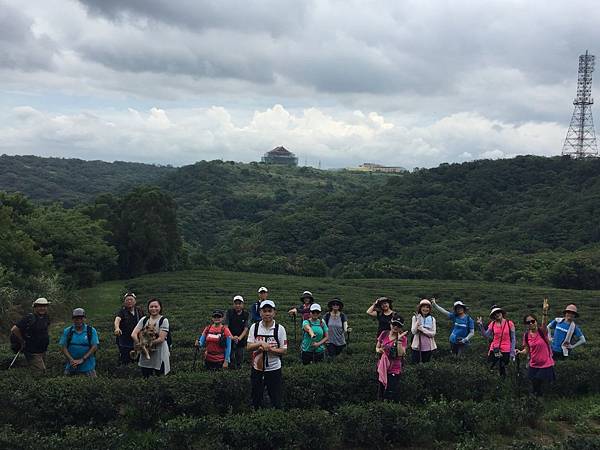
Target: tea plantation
(449,403)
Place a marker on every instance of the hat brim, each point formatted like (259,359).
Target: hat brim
(497,311)
(465,307)
(572,312)
(335,302)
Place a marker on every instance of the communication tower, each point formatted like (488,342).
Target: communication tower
(581,138)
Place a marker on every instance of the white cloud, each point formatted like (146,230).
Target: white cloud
(182,136)
(414,83)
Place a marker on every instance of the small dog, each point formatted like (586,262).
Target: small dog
(144,346)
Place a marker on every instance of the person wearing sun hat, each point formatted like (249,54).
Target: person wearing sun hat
(391,346)
(315,336)
(537,347)
(423,328)
(565,329)
(501,332)
(30,335)
(303,309)
(463,326)
(337,323)
(382,310)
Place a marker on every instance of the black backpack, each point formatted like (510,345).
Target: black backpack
(275,336)
(72,330)
(328,316)
(160,322)
(15,343)
(275,331)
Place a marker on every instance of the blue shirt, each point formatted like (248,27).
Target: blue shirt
(462,326)
(255,312)
(79,347)
(560,333)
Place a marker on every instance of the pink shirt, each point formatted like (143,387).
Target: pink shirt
(540,355)
(385,341)
(501,335)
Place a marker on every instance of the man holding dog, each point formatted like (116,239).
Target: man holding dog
(125,321)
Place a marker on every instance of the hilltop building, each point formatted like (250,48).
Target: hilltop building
(280,155)
(372,167)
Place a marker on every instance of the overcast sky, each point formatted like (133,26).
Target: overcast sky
(410,83)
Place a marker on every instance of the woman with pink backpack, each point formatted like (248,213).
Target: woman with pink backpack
(537,346)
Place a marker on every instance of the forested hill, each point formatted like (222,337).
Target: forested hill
(72,180)
(524,219)
(510,220)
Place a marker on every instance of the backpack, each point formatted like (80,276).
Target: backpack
(160,322)
(275,336)
(222,337)
(72,330)
(275,332)
(328,316)
(15,343)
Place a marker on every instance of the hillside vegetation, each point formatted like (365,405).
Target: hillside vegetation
(70,181)
(446,404)
(527,219)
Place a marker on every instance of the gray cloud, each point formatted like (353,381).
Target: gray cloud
(20,49)
(506,68)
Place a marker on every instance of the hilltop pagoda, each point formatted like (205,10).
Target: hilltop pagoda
(280,155)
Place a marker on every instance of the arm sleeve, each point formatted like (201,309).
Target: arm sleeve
(471,330)
(202,337)
(413,325)
(442,310)
(228,349)
(487,332)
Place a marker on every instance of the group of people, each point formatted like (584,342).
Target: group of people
(145,338)
(542,342)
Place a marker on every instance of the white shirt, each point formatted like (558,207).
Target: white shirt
(267,335)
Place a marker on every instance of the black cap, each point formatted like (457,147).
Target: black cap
(218,312)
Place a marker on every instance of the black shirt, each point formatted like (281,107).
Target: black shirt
(128,322)
(237,322)
(34,329)
(383,322)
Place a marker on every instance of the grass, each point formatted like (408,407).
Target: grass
(190,296)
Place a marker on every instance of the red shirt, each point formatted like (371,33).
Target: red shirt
(214,351)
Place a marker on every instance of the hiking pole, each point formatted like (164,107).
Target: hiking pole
(348,331)
(196,351)
(295,330)
(14,359)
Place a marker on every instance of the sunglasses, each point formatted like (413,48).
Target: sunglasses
(529,322)
(217,316)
